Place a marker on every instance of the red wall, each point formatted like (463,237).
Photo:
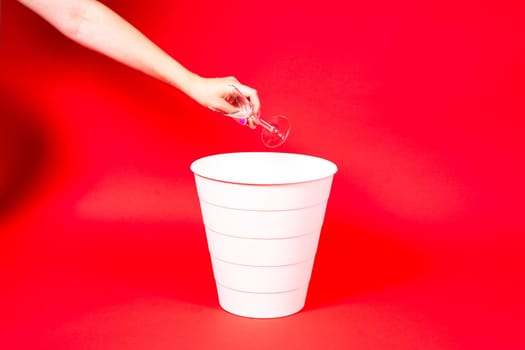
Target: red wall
(420,104)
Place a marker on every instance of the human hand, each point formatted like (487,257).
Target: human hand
(212,93)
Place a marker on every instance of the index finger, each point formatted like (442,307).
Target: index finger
(252,96)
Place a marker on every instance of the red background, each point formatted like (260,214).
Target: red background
(420,104)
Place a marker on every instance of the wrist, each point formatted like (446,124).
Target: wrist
(190,84)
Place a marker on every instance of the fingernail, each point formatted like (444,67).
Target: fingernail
(242,121)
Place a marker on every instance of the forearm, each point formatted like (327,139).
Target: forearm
(97,27)
(92,24)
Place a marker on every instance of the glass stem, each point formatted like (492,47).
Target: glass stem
(268,126)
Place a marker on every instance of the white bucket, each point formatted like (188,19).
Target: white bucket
(263,213)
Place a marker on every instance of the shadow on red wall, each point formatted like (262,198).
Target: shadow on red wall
(24,152)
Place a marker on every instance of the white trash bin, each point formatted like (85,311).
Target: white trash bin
(263,213)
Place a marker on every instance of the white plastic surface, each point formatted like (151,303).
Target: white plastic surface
(263,224)
(262,305)
(263,213)
(263,168)
(263,197)
(262,252)
(262,279)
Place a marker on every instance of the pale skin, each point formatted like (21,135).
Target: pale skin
(97,27)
